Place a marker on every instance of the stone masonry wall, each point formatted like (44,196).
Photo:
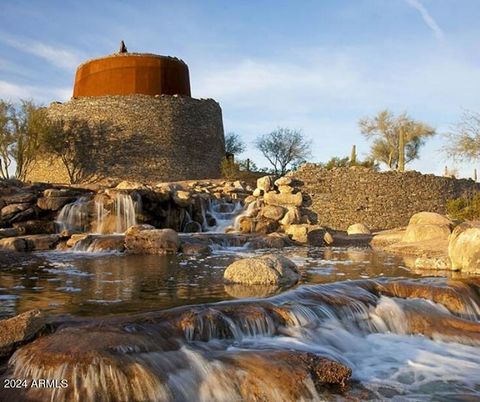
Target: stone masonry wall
(148,139)
(344,196)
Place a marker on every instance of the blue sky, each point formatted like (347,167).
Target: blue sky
(313,65)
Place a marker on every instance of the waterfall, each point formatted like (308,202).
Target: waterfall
(74,216)
(224,213)
(118,220)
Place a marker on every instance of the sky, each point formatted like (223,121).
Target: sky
(314,65)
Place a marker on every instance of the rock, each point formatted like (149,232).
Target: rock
(10,232)
(94,243)
(13,209)
(328,239)
(135,229)
(298,232)
(13,244)
(283,181)
(442,263)
(316,236)
(41,242)
(265,183)
(265,270)
(273,212)
(36,227)
(182,198)
(265,225)
(249,199)
(257,192)
(24,215)
(241,291)
(192,227)
(358,228)
(272,198)
(292,216)
(429,218)
(63,192)
(245,224)
(192,246)
(423,232)
(285,189)
(272,240)
(19,329)
(53,203)
(151,241)
(464,248)
(239,185)
(131,185)
(19,198)
(75,238)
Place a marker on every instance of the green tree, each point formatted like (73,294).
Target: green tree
(234,144)
(396,139)
(6,138)
(284,148)
(463,141)
(29,124)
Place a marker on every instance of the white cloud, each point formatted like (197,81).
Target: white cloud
(64,58)
(427,18)
(14,92)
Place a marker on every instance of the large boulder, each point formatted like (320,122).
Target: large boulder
(358,228)
(53,203)
(464,248)
(143,239)
(35,227)
(265,183)
(429,218)
(21,328)
(283,181)
(423,232)
(13,244)
(265,270)
(12,209)
(283,199)
(291,217)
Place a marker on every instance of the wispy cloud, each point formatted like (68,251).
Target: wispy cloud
(427,18)
(57,56)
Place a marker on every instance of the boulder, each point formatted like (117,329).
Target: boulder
(35,227)
(245,224)
(29,213)
(41,242)
(285,189)
(19,329)
(265,183)
(151,241)
(75,238)
(283,181)
(95,243)
(53,203)
(265,270)
(358,228)
(464,248)
(429,218)
(328,239)
(13,209)
(265,225)
(292,216)
(63,192)
(423,232)
(273,198)
(13,244)
(274,212)
(19,198)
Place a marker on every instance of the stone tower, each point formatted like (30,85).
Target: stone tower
(159,132)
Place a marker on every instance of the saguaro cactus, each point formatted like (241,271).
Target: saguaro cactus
(353,156)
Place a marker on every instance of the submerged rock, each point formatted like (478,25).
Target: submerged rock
(265,270)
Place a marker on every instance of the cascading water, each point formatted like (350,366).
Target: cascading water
(224,214)
(75,216)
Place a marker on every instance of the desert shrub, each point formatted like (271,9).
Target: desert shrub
(464,208)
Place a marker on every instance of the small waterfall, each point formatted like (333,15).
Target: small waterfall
(121,217)
(224,213)
(75,216)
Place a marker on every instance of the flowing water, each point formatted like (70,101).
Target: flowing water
(163,328)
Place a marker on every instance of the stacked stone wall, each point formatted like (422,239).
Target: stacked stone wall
(381,200)
(148,139)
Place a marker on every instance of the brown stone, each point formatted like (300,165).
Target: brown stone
(151,241)
(273,212)
(272,198)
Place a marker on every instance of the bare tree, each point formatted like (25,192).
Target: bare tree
(464,139)
(283,148)
(396,139)
(234,144)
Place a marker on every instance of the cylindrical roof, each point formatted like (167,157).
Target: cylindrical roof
(132,73)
